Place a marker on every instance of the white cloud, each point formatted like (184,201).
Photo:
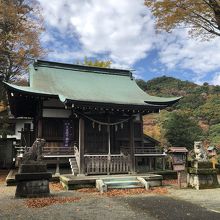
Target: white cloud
(122,29)
(216,79)
(179,51)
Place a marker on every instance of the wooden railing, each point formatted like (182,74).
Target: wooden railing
(106,164)
(58,150)
(143,150)
(147,150)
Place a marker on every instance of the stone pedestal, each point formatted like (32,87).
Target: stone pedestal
(201,175)
(32,180)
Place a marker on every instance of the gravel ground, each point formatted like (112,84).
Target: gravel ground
(164,208)
(88,207)
(208,198)
(177,204)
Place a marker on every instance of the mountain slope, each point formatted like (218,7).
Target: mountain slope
(200,103)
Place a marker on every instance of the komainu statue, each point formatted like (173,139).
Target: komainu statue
(32,178)
(200,153)
(35,152)
(200,174)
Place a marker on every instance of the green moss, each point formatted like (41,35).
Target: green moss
(193,170)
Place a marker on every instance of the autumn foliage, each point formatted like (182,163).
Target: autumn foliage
(201,16)
(20,27)
(95,63)
(125,192)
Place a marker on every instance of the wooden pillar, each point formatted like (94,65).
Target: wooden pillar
(81,146)
(131,145)
(164,163)
(39,121)
(39,127)
(155,163)
(142,129)
(109,149)
(150,163)
(57,172)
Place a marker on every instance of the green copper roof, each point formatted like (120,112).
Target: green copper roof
(88,84)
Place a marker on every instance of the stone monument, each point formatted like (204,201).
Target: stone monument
(32,178)
(201,173)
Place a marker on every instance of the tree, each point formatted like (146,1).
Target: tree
(142,84)
(180,130)
(210,111)
(201,16)
(20,27)
(214,134)
(5,127)
(95,63)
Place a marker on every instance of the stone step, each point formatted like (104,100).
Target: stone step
(125,187)
(133,182)
(122,183)
(111,179)
(74,166)
(118,183)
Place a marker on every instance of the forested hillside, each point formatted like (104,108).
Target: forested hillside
(195,117)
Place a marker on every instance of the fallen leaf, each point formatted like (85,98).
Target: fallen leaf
(42,202)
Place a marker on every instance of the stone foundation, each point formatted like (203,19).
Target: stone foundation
(34,188)
(201,175)
(32,181)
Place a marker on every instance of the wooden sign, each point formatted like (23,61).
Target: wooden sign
(179,167)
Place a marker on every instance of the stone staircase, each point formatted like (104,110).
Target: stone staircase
(74,166)
(121,183)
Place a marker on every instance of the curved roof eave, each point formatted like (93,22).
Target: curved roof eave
(148,105)
(154,102)
(26,89)
(162,100)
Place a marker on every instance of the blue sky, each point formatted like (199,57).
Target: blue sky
(123,31)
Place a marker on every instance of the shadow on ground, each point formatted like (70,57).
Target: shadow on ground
(163,208)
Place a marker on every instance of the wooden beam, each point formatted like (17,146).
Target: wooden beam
(131,145)
(81,146)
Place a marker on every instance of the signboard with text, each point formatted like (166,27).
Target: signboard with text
(67,134)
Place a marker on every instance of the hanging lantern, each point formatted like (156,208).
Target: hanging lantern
(100,127)
(93,124)
(116,128)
